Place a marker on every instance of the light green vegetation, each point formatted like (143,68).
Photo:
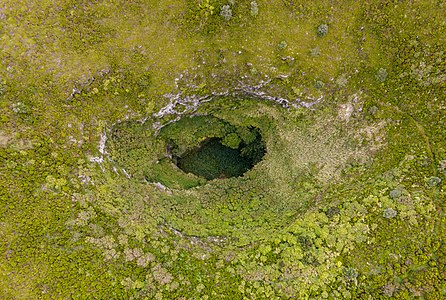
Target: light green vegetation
(347,203)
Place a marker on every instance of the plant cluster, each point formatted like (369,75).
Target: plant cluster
(322,30)
(226,12)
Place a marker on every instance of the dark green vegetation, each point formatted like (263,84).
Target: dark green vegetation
(214,160)
(224,150)
(348,201)
(202,145)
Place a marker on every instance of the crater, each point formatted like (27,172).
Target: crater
(212,148)
(186,153)
(212,159)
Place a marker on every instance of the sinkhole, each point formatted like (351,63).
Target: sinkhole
(212,159)
(185,153)
(213,148)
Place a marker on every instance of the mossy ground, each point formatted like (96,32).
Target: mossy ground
(348,202)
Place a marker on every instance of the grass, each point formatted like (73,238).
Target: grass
(306,222)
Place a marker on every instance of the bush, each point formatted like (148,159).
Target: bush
(396,193)
(350,274)
(226,12)
(20,108)
(319,84)
(389,213)
(381,75)
(254,9)
(282,45)
(322,30)
(2,86)
(232,140)
(433,181)
(442,166)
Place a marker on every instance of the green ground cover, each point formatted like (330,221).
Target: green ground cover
(347,202)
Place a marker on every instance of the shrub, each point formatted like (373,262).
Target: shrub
(226,12)
(322,30)
(381,75)
(433,181)
(396,193)
(254,9)
(442,166)
(350,274)
(319,84)
(2,86)
(232,140)
(282,45)
(389,213)
(20,108)
(315,51)
(206,8)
